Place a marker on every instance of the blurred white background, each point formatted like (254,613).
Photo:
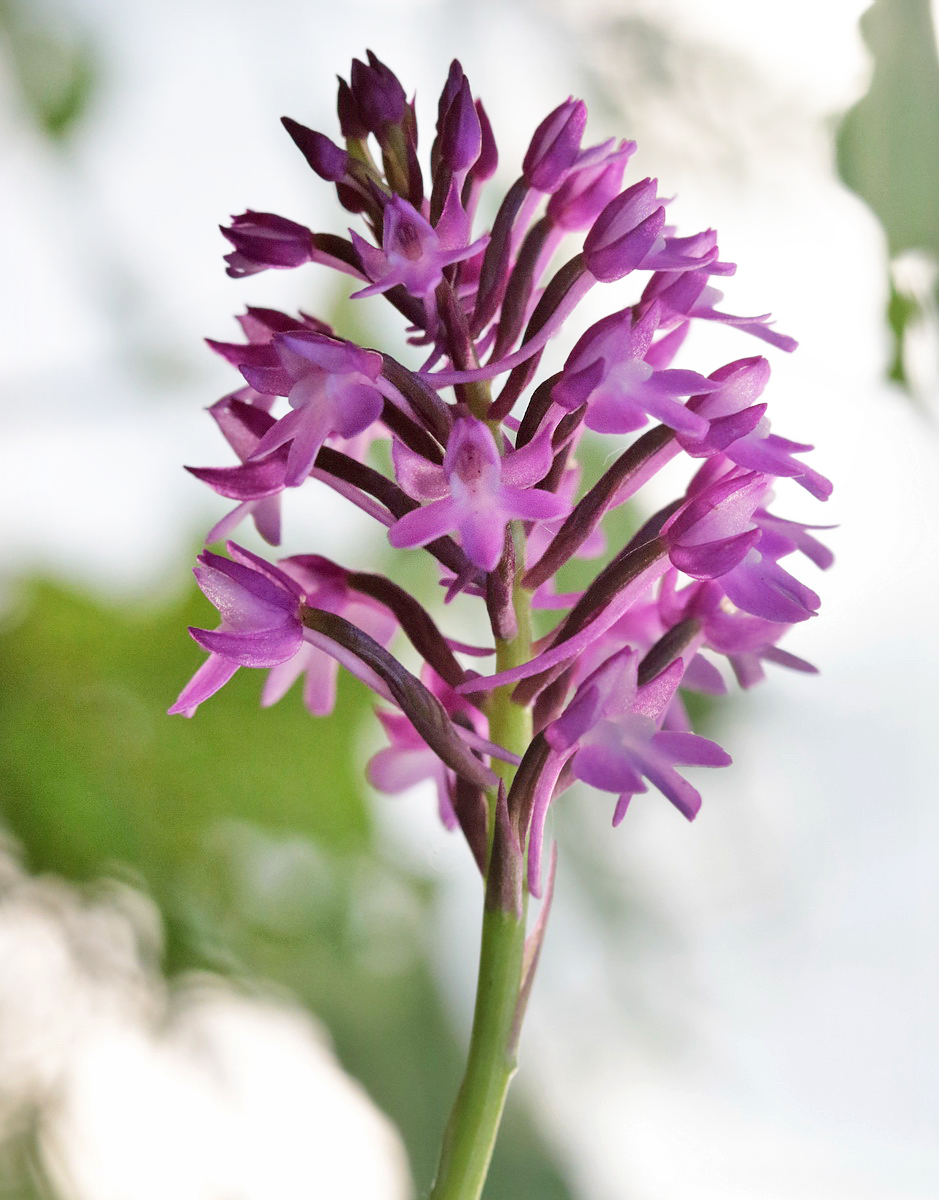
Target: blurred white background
(768,1030)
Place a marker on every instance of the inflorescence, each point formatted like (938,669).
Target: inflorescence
(485,473)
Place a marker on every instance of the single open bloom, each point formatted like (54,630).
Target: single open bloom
(608,371)
(475,493)
(413,252)
(610,732)
(261,626)
(331,387)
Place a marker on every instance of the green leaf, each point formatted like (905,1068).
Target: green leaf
(888,144)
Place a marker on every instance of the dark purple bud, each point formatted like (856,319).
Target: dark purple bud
(379,95)
(264,240)
(461,135)
(455,78)
(554,146)
(327,159)
(624,232)
(485,166)
(351,122)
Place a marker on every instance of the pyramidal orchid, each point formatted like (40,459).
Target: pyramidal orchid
(482,473)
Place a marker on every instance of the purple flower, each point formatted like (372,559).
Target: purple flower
(759,585)
(475,493)
(257,488)
(325,585)
(260,606)
(609,732)
(589,187)
(689,295)
(486,477)
(624,232)
(261,626)
(713,530)
(607,370)
(413,252)
(264,240)
(329,384)
(748,442)
(259,326)
(723,531)
(746,640)
(630,234)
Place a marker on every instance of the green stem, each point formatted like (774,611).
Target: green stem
(471,1132)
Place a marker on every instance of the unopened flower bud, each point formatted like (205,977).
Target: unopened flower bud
(488,161)
(461,135)
(351,122)
(327,159)
(624,232)
(378,94)
(554,146)
(264,240)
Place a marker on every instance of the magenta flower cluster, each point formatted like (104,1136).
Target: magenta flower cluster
(485,474)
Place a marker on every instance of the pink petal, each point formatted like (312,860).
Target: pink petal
(423,525)
(214,673)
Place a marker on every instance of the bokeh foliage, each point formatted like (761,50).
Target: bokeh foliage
(251,830)
(888,144)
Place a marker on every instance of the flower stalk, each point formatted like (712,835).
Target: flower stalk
(492,1057)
